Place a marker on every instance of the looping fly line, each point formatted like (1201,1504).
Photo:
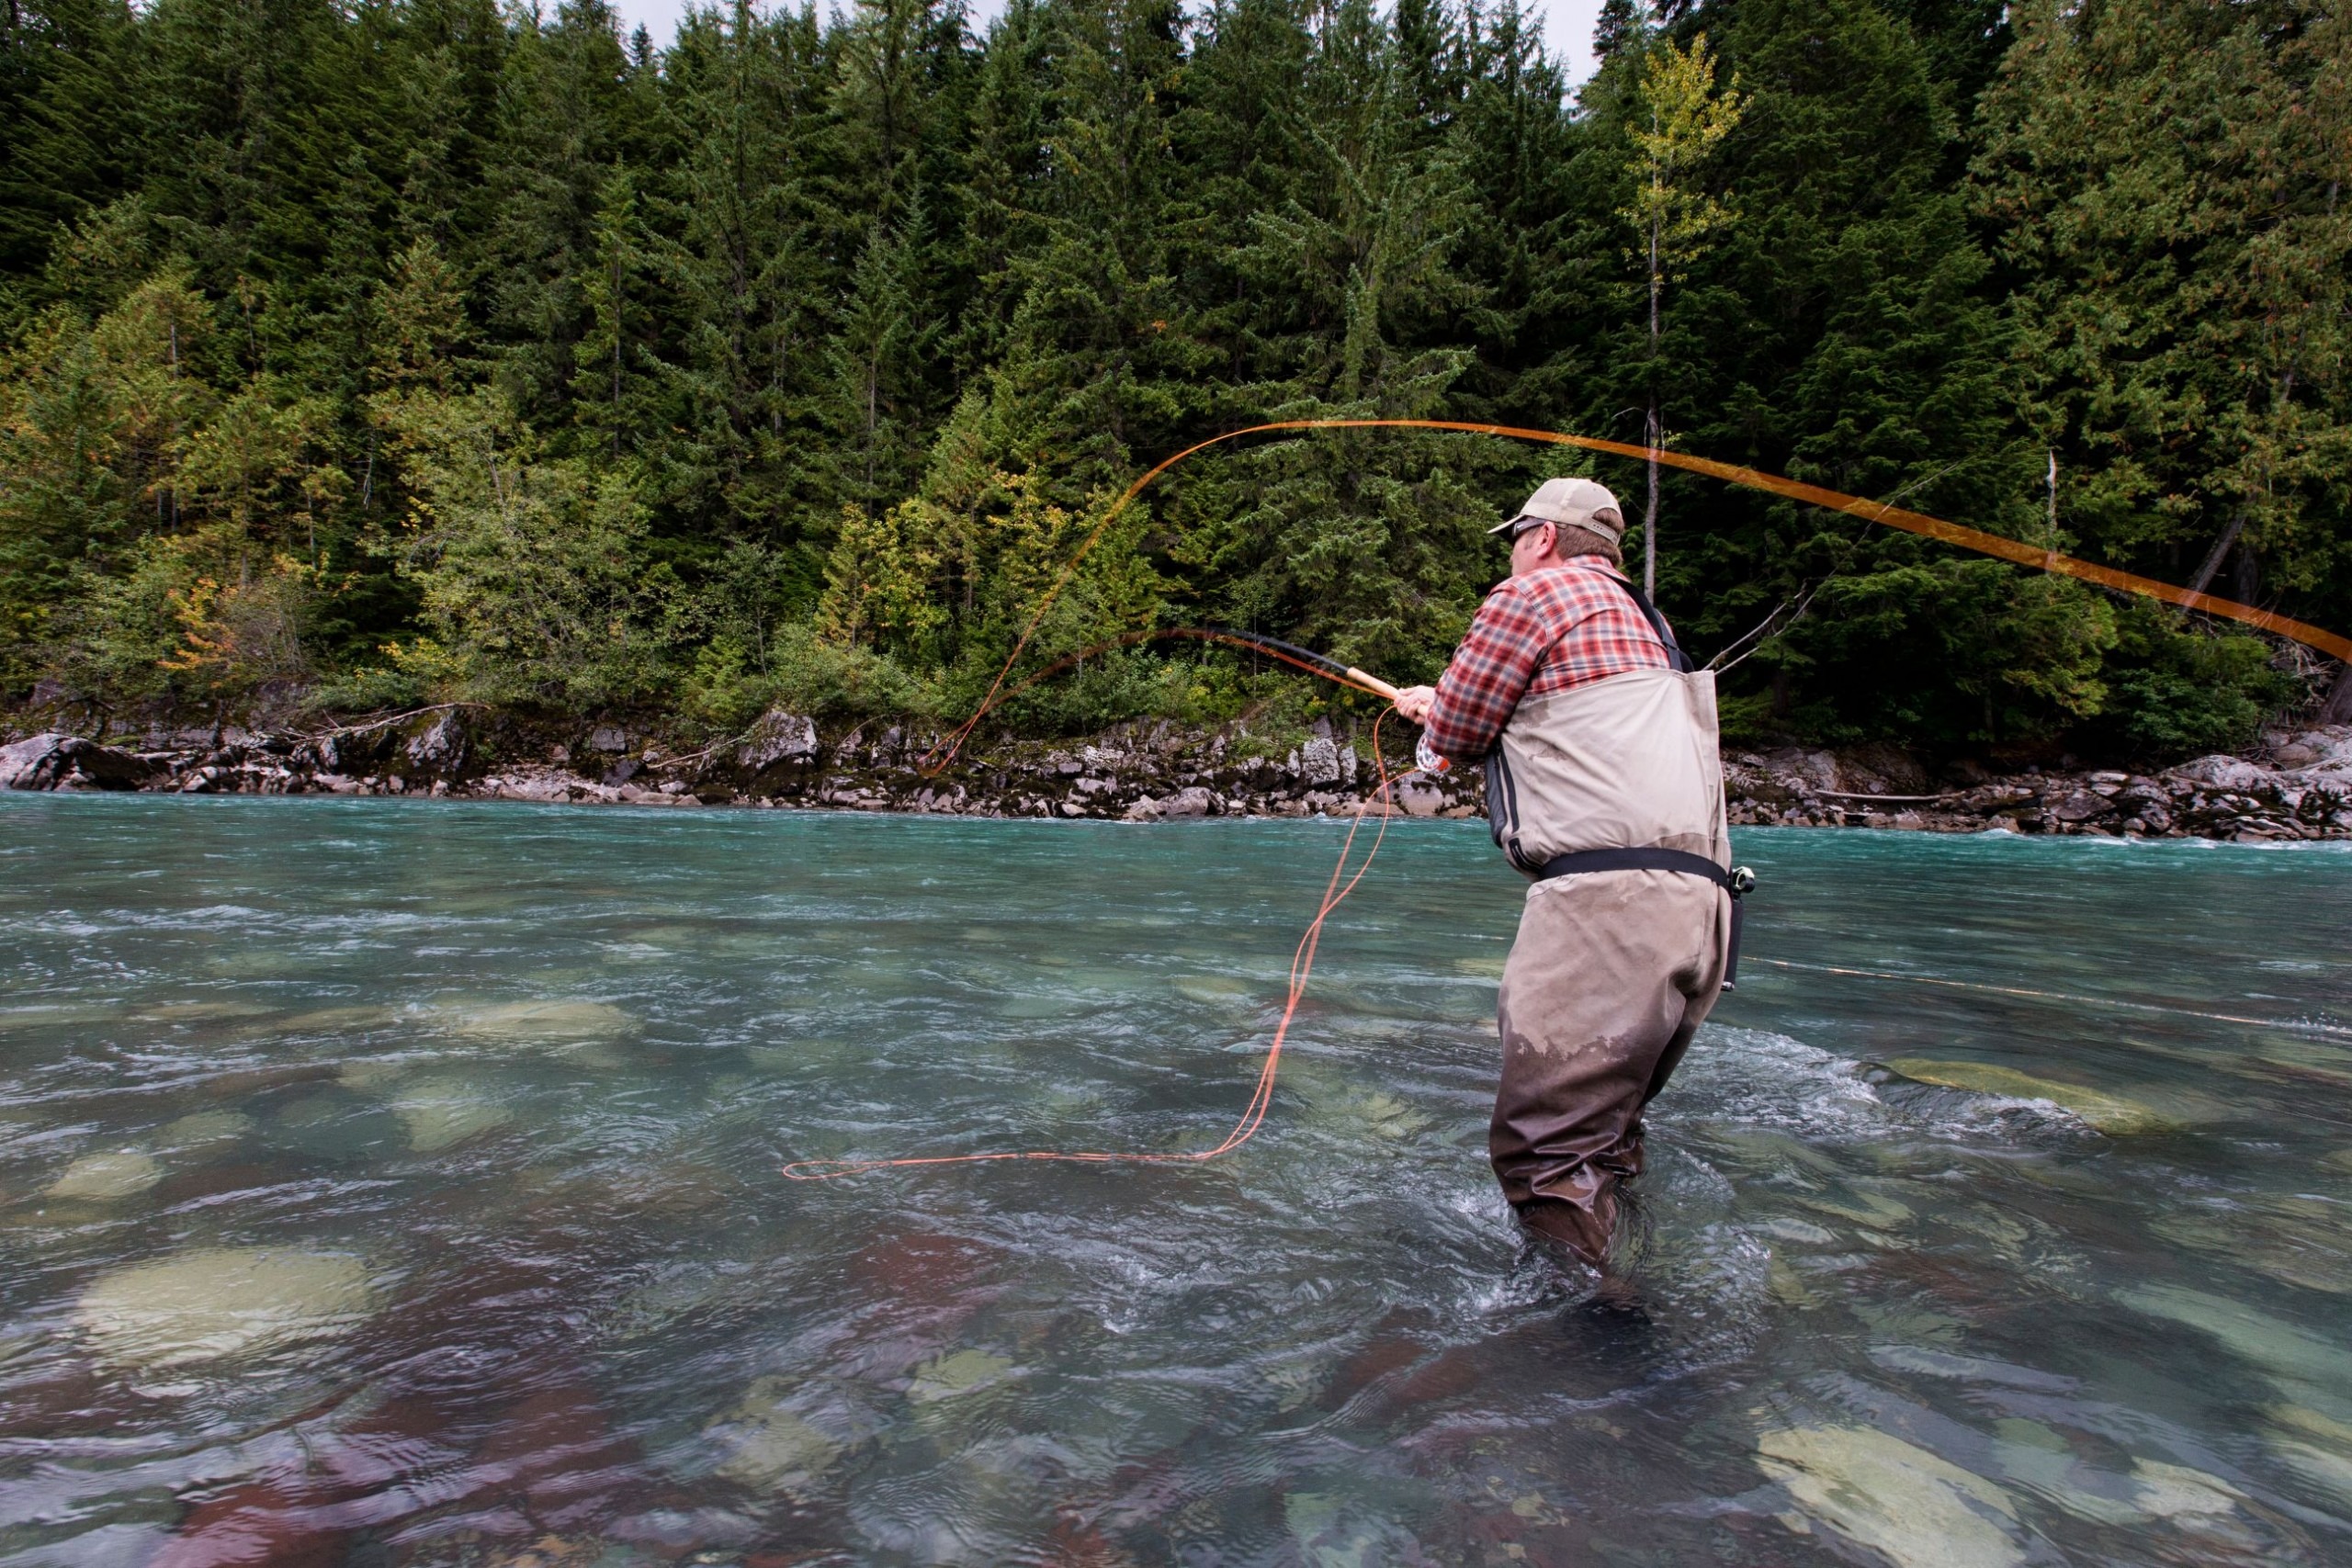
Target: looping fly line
(1892,517)
(1344,881)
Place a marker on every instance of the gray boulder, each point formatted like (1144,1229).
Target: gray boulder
(440,747)
(1418,799)
(779,736)
(1187,803)
(2225,771)
(2081,806)
(67,761)
(1318,762)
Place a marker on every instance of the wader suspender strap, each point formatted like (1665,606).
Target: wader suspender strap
(1735,882)
(1675,655)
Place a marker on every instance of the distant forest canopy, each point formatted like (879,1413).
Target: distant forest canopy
(369,353)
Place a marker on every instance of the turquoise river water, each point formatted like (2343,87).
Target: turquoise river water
(388,1183)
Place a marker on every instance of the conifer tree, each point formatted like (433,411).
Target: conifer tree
(585,370)
(2166,180)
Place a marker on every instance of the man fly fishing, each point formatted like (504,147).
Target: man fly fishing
(1605,788)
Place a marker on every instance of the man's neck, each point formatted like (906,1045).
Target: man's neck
(1553,563)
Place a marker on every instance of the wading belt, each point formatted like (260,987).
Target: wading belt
(1736,881)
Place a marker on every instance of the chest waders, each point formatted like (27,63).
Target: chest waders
(1608,798)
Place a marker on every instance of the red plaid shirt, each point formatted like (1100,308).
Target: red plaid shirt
(1550,631)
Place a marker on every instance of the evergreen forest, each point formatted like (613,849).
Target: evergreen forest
(357,354)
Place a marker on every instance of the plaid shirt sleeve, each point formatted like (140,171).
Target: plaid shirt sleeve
(1490,672)
(1551,631)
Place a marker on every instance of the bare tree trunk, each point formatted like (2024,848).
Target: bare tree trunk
(2219,553)
(2051,541)
(1649,511)
(1655,431)
(616,355)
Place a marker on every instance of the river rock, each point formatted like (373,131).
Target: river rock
(440,747)
(1920,1511)
(1318,762)
(768,1445)
(2083,806)
(1420,800)
(205,1129)
(2321,1468)
(961,1373)
(217,1303)
(1335,1531)
(119,1173)
(67,761)
(1804,770)
(543,1023)
(1370,1113)
(2314,1447)
(779,736)
(2176,1492)
(2300,1362)
(444,1111)
(2225,771)
(1217,991)
(2107,1112)
(1187,803)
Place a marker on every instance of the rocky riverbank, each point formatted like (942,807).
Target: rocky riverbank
(2297,785)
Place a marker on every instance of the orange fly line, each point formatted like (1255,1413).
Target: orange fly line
(1343,882)
(1302,964)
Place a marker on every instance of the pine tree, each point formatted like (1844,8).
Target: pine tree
(2167,184)
(65,119)
(570,109)
(1357,296)
(617,383)
(749,265)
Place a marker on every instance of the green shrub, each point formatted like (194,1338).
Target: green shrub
(2182,689)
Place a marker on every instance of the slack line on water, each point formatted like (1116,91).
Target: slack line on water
(1343,880)
(1302,964)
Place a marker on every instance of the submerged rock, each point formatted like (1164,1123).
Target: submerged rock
(119,1173)
(442,1112)
(2311,1368)
(371,1073)
(2176,1492)
(1332,1531)
(205,1129)
(1918,1510)
(2107,1112)
(1373,1113)
(768,1445)
(2296,1241)
(1217,991)
(543,1024)
(218,1304)
(961,1373)
(2315,1448)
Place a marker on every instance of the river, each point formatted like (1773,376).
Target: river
(399,1183)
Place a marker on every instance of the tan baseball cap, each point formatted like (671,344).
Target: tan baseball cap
(1575,503)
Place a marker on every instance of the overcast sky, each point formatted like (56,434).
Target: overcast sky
(1568,24)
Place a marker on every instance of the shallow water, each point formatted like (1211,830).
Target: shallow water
(399,1183)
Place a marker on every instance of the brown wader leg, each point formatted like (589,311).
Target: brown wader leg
(1610,977)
